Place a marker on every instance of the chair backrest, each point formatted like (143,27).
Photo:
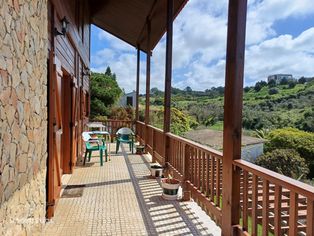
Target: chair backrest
(86,136)
(124,131)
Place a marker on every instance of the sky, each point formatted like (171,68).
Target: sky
(279,39)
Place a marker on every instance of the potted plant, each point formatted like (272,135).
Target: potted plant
(170,187)
(156,170)
(140,149)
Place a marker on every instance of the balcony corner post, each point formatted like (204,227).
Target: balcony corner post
(233,114)
(147,98)
(137,84)
(168,75)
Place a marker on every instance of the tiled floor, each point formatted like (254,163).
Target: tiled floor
(119,198)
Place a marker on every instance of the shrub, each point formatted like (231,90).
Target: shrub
(292,84)
(291,138)
(284,161)
(121,113)
(272,91)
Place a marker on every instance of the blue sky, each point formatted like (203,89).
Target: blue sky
(280,39)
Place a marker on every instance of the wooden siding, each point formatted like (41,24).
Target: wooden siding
(72,52)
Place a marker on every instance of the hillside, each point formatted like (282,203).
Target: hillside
(266,106)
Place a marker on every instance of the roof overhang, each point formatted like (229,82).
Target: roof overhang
(127,19)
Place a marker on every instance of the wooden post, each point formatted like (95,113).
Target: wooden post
(148,55)
(168,75)
(137,85)
(233,113)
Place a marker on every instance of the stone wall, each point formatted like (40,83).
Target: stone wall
(23,115)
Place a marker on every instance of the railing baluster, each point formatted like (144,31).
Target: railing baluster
(192,163)
(245,200)
(217,182)
(265,220)
(204,172)
(212,176)
(277,210)
(207,175)
(293,214)
(254,204)
(310,217)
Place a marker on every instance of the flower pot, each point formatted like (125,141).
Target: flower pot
(170,188)
(156,170)
(140,149)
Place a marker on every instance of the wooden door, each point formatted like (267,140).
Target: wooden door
(74,122)
(57,126)
(55,134)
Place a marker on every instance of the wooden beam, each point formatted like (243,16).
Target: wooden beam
(147,100)
(148,55)
(233,113)
(168,75)
(137,85)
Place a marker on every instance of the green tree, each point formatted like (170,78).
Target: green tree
(284,161)
(272,83)
(291,138)
(105,92)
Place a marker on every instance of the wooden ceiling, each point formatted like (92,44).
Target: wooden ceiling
(127,19)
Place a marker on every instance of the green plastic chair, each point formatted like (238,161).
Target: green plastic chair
(125,135)
(94,145)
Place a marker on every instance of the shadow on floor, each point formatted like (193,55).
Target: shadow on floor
(160,216)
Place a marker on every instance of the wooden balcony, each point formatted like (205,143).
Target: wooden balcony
(120,198)
(268,202)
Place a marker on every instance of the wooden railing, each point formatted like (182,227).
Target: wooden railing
(269,202)
(112,126)
(273,202)
(198,166)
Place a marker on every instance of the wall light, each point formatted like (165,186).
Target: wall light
(64,24)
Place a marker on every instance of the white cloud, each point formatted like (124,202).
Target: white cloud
(199,46)
(282,54)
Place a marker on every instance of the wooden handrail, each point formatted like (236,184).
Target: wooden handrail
(273,177)
(196,145)
(199,167)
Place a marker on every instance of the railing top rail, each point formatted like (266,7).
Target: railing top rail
(140,122)
(113,120)
(196,145)
(273,177)
(155,128)
(110,120)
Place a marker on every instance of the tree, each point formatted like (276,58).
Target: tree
(291,138)
(292,84)
(259,85)
(105,92)
(284,161)
(302,80)
(188,89)
(272,83)
(247,89)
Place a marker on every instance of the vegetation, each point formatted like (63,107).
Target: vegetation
(268,110)
(266,105)
(180,121)
(105,92)
(284,161)
(291,138)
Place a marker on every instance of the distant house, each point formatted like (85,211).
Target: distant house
(251,147)
(128,99)
(279,77)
